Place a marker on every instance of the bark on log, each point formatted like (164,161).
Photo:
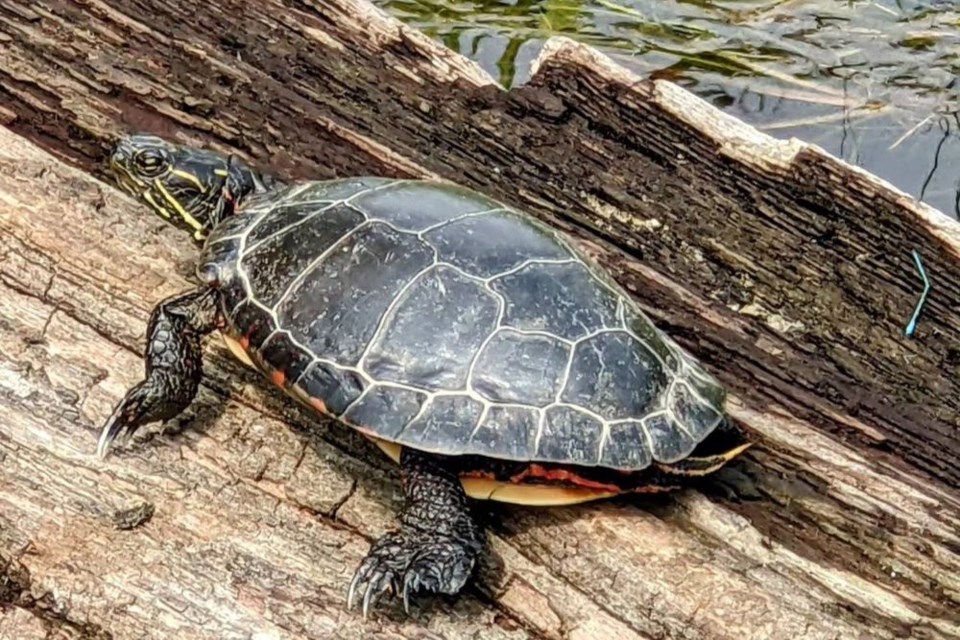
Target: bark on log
(786,271)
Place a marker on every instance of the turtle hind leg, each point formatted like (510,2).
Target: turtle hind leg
(173,361)
(437,544)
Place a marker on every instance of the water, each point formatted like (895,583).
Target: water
(875,83)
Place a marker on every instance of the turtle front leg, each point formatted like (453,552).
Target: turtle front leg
(173,361)
(436,546)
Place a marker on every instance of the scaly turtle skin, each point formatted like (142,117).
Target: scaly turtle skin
(468,340)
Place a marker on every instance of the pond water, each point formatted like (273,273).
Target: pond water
(876,83)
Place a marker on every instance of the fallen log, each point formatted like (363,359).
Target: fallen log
(787,272)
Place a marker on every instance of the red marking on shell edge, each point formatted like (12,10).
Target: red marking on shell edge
(486,475)
(244,343)
(318,404)
(278,378)
(563,475)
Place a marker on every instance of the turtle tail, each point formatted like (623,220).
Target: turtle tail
(725,443)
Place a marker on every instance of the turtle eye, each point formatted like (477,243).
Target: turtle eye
(150,162)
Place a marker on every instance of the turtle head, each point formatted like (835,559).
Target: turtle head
(191,188)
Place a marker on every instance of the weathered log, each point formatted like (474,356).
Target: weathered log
(785,270)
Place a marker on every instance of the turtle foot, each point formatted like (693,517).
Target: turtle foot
(144,403)
(412,561)
(173,362)
(436,546)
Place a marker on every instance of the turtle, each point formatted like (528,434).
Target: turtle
(477,346)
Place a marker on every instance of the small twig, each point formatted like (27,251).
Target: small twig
(910,132)
(912,325)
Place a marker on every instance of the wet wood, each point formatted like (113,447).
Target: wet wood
(787,272)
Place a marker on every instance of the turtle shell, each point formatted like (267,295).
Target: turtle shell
(431,316)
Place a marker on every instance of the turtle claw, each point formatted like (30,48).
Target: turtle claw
(369,575)
(378,571)
(411,582)
(380,583)
(148,401)
(409,564)
(123,422)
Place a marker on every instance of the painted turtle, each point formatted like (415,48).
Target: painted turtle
(471,342)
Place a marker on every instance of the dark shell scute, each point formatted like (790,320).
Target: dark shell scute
(668,441)
(515,367)
(282,354)
(254,323)
(385,410)
(494,243)
(706,386)
(570,436)
(235,225)
(697,416)
(433,331)
(334,189)
(277,262)
(506,432)
(562,299)
(446,421)
(283,217)
(655,340)
(615,376)
(232,295)
(336,308)
(415,206)
(626,447)
(336,387)
(218,263)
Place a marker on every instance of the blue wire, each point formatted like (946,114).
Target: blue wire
(912,325)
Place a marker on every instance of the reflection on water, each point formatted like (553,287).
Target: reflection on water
(873,82)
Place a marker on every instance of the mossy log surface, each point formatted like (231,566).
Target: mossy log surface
(786,271)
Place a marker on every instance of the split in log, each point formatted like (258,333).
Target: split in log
(787,272)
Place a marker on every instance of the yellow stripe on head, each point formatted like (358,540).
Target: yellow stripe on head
(133,177)
(128,181)
(189,177)
(183,213)
(153,203)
